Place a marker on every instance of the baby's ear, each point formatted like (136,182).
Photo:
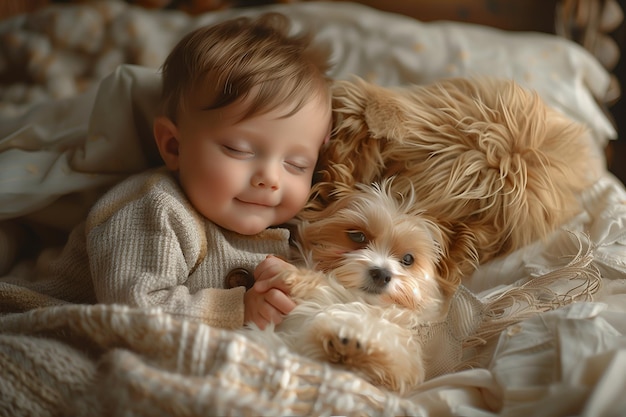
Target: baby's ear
(166,137)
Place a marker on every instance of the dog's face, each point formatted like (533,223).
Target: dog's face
(373,243)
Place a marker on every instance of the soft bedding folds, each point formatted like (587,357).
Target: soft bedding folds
(84,124)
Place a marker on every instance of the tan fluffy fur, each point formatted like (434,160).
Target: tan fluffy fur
(394,262)
(490,163)
(452,174)
(367,280)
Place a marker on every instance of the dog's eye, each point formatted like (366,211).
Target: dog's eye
(407,260)
(356,236)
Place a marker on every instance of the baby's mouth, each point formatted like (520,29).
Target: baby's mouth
(254,203)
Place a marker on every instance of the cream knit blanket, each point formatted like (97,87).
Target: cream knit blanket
(63,359)
(95,360)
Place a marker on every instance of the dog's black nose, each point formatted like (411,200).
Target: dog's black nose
(380,276)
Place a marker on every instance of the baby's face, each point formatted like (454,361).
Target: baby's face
(247,175)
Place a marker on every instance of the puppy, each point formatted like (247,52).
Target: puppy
(494,166)
(368,283)
(378,243)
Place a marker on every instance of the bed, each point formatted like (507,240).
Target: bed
(82,122)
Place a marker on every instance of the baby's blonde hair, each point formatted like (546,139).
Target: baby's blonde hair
(256,59)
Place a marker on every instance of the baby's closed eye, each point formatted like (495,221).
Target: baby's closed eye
(240,152)
(298,166)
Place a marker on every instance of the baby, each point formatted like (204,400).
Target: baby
(245,110)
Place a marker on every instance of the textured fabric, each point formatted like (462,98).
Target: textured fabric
(144,245)
(61,358)
(11,240)
(465,338)
(149,247)
(115,360)
(90,360)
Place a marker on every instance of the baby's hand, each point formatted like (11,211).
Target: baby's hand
(266,274)
(267,301)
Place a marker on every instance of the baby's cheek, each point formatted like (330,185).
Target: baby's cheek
(293,201)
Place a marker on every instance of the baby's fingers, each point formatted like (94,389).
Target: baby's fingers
(280,301)
(272,283)
(270,267)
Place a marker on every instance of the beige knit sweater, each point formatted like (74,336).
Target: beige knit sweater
(148,246)
(144,245)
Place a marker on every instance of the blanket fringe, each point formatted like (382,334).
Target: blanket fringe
(578,280)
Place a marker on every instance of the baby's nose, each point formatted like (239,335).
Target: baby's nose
(267,176)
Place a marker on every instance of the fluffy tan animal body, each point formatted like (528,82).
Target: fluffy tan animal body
(489,162)
(417,186)
(366,280)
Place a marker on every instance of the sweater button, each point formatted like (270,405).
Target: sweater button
(239,277)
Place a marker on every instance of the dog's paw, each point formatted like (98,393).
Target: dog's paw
(383,352)
(343,346)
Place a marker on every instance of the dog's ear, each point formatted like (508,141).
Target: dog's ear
(386,114)
(360,105)
(349,101)
(460,256)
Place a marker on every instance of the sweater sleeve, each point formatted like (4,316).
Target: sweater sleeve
(143,244)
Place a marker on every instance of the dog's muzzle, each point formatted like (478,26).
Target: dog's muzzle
(379,278)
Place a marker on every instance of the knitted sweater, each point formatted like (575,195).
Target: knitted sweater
(143,245)
(148,246)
